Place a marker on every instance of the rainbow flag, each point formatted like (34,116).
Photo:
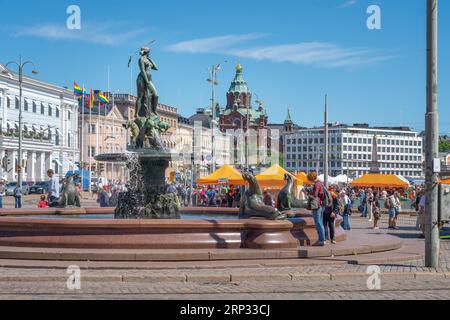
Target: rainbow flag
(103,98)
(77,91)
(91,99)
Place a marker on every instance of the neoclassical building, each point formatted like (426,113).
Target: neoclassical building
(50,138)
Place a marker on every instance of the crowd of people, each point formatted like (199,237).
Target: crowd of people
(206,196)
(325,203)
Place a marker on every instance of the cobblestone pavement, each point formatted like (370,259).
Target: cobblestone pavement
(355,288)
(343,281)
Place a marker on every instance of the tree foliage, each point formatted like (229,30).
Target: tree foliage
(444,146)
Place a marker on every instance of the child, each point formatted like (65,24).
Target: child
(43,203)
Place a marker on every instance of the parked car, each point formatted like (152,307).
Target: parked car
(39,188)
(12,185)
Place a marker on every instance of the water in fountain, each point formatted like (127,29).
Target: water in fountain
(130,201)
(145,198)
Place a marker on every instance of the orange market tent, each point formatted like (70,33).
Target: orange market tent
(380,181)
(303,177)
(273,178)
(445,181)
(225,175)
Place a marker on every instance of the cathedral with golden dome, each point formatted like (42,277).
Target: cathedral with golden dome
(239,112)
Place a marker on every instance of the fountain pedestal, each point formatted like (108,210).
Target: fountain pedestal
(145,197)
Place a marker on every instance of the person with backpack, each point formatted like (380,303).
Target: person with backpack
(390,206)
(329,215)
(315,203)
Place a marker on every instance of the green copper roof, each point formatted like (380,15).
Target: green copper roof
(239,84)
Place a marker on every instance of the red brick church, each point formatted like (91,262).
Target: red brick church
(239,109)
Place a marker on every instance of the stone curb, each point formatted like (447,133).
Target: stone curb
(226,277)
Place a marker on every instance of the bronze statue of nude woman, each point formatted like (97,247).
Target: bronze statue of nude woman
(147,96)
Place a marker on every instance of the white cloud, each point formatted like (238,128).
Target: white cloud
(214,44)
(103,34)
(320,54)
(348,3)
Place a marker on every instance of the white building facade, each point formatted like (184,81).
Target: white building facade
(50,128)
(399,150)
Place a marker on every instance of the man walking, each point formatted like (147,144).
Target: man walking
(53,187)
(18,197)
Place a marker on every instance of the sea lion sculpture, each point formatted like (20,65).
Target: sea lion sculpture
(286,198)
(69,196)
(252,204)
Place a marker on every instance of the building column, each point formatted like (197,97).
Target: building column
(5,110)
(48,161)
(2,170)
(38,166)
(11,167)
(31,160)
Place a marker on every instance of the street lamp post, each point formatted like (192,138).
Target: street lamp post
(432,141)
(325,156)
(214,83)
(21,66)
(213,80)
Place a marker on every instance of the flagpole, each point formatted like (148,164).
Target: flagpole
(98,138)
(90,141)
(105,133)
(73,160)
(113,135)
(82,136)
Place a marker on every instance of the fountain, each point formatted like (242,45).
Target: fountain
(146,218)
(146,159)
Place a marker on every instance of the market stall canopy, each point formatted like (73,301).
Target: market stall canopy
(225,175)
(380,181)
(303,177)
(273,178)
(447,181)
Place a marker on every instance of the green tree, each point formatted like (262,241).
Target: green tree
(444,146)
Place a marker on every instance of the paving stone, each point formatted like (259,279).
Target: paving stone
(214,278)
(154,278)
(310,276)
(239,277)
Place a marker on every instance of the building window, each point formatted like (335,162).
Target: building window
(17,103)
(68,115)
(25,105)
(57,112)
(42,108)
(49,110)
(34,107)
(92,131)
(68,140)
(8,102)
(57,139)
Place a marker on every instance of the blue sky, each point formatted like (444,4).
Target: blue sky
(293,52)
